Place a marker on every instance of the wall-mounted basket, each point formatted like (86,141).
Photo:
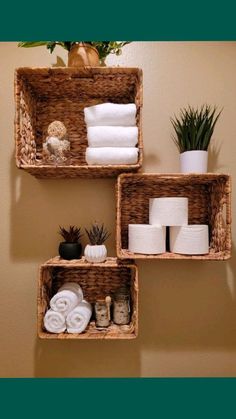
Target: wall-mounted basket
(209,203)
(97,281)
(43,95)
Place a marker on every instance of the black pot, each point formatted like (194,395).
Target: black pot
(70,250)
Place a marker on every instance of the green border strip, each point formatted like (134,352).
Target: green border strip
(123,20)
(130,398)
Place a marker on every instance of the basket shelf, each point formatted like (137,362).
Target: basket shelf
(209,203)
(97,281)
(43,95)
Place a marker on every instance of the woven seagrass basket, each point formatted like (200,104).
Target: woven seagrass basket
(209,198)
(97,281)
(43,95)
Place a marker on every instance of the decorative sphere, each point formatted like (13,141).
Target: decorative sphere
(57,129)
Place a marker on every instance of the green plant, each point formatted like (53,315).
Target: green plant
(72,235)
(194,128)
(97,234)
(104,48)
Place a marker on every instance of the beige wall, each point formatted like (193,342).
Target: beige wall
(187,309)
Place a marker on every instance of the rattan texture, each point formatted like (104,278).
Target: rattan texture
(209,198)
(97,281)
(43,95)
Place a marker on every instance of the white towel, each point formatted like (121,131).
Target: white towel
(111,155)
(67,298)
(54,322)
(78,319)
(72,286)
(112,136)
(111,114)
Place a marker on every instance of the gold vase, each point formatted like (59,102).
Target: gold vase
(83,55)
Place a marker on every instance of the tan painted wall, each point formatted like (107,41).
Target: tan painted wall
(187,309)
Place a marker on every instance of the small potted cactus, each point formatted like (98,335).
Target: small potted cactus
(71,247)
(96,251)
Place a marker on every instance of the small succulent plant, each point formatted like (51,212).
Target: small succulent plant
(72,235)
(97,234)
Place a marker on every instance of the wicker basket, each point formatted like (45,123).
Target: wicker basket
(43,95)
(97,281)
(209,203)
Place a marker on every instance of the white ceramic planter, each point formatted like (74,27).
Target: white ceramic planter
(96,253)
(194,161)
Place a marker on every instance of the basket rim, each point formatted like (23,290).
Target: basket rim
(79,70)
(87,167)
(110,262)
(176,175)
(124,254)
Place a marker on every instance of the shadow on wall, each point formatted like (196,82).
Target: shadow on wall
(59,63)
(213,157)
(87,358)
(38,207)
(189,305)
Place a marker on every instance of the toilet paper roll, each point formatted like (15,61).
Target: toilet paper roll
(168,211)
(147,239)
(190,240)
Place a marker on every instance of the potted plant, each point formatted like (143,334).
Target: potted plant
(194,129)
(81,54)
(96,251)
(71,247)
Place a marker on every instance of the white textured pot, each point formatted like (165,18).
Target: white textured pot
(194,161)
(96,253)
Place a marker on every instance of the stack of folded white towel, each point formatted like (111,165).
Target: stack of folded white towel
(112,134)
(68,310)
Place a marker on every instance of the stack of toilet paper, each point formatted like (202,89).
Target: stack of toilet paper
(112,134)
(68,310)
(169,212)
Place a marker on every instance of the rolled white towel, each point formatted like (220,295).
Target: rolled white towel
(72,286)
(111,155)
(54,322)
(67,298)
(112,136)
(78,319)
(111,114)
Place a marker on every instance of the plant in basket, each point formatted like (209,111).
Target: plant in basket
(71,247)
(96,251)
(80,54)
(194,129)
